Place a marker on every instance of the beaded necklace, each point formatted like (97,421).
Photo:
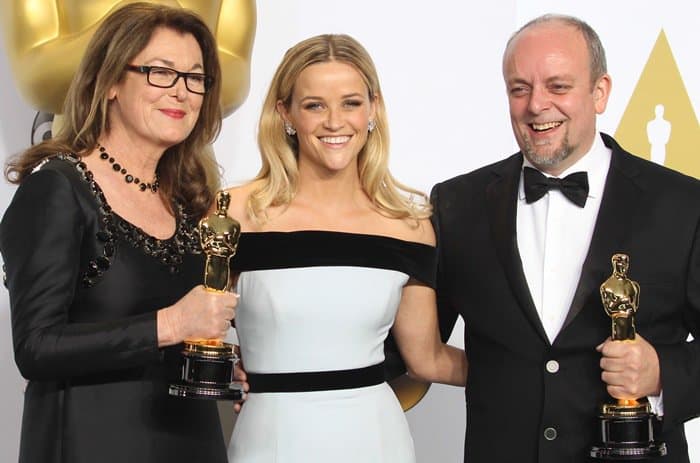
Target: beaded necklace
(152,186)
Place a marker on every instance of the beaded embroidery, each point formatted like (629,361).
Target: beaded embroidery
(168,252)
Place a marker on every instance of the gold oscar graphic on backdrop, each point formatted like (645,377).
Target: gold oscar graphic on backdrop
(659,122)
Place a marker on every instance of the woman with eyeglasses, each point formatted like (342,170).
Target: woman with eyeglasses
(102,259)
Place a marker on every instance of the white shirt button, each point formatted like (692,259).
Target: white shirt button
(552,366)
(550,433)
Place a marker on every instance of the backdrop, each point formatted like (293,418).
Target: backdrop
(440,69)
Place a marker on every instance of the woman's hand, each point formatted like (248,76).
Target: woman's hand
(240,376)
(199,314)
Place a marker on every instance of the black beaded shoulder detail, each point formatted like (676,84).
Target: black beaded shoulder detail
(168,252)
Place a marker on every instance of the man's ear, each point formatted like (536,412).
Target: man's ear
(601,92)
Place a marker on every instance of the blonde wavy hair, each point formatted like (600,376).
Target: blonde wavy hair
(277,180)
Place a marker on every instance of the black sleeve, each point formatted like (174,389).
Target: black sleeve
(680,363)
(40,240)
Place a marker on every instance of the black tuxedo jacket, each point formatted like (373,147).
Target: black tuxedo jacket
(529,400)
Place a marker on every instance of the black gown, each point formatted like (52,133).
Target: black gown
(84,288)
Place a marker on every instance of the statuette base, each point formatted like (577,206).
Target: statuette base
(627,434)
(206,372)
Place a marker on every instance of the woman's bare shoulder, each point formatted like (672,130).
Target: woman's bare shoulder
(424,232)
(238,207)
(420,231)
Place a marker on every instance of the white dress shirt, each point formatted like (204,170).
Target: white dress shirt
(553,237)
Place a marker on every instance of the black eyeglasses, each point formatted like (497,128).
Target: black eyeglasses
(163,77)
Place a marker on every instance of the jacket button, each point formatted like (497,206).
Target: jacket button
(552,366)
(550,433)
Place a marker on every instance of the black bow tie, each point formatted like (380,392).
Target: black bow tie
(573,186)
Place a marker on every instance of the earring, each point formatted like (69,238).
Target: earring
(291,131)
(371,125)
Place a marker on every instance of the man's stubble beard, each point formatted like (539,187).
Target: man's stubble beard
(542,162)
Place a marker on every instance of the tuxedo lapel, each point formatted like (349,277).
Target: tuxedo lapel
(501,196)
(617,217)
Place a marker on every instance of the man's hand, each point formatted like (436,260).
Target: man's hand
(630,368)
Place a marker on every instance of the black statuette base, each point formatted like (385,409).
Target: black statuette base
(627,438)
(199,392)
(206,372)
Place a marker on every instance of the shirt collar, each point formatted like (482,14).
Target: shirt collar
(595,162)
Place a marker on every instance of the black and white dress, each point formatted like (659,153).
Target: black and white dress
(315,309)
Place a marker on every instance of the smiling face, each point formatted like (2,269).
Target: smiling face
(152,116)
(553,103)
(330,109)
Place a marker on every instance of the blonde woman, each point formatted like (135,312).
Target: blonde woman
(334,253)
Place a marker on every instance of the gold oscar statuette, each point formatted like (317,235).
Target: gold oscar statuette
(626,427)
(207,365)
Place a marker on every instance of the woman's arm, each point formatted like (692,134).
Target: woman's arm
(417,334)
(40,239)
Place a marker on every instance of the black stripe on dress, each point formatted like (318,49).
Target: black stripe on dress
(278,250)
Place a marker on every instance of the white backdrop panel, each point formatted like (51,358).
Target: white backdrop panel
(440,69)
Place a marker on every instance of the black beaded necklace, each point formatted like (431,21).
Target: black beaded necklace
(105,156)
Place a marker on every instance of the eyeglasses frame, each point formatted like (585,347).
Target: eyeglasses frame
(208,80)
